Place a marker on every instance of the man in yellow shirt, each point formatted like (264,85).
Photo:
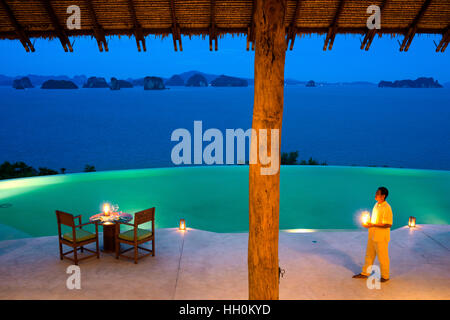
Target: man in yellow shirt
(379,236)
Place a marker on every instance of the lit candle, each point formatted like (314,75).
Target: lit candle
(412,222)
(106,208)
(365,217)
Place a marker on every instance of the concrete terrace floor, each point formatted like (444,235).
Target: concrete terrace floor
(206,265)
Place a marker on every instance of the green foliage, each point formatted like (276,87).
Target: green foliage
(89,168)
(312,162)
(22,170)
(16,170)
(291,159)
(46,172)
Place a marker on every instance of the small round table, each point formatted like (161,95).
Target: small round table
(109,227)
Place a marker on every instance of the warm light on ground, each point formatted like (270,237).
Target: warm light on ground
(300,230)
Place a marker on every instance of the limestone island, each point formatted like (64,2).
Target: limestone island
(22,83)
(418,83)
(153,83)
(197,80)
(226,81)
(94,82)
(59,84)
(119,84)
(175,80)
(310,83)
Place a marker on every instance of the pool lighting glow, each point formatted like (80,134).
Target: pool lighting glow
(300,230)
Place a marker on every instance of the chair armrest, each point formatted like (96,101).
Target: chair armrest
(126,223)
(85,224)
(79,218)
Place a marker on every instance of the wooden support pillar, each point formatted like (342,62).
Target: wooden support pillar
(17,28)
(138,33)
(292,32)
(332,30)
(212,27)
(264,190)
(251,29)
(99,33)
(58,28)
(370,34)
(176,33)
(444,41)
(409,36)
(368,38)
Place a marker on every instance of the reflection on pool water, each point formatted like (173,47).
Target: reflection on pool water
(216,198)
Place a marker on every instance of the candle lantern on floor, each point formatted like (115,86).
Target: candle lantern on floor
(182,224)
(412,222)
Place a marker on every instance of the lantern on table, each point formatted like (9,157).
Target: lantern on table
(412,222)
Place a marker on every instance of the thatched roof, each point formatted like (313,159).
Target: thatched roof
(25,19)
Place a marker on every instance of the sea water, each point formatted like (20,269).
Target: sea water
(131,128)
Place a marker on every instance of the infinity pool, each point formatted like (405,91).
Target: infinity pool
(216,198)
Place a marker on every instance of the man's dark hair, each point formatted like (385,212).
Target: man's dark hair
(384,191)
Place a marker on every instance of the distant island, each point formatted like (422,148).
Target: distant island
(116,84)
(175,80)
(59,84)
(198,78)
(418,83)
(153,83)
(22,83)
(311,83)
(94,82)
(38,80)
(226,81)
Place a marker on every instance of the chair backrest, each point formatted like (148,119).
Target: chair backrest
(65,218)
(144,216)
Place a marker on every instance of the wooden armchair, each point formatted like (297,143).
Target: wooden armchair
(82,237)
(137,236)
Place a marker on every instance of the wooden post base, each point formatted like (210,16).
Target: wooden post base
(109,243)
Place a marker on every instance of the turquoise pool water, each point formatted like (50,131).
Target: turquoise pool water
(216,198)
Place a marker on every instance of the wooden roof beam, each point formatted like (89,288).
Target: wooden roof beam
(212,27)
(444,41)
(368,38)
(176,33)
(332,30)
(292,29)
(99,34)
(370,34)
(138,34)
(409,36)
(59,30)
(18,28)
(251,29)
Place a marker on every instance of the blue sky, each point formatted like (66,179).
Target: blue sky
(346,62)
